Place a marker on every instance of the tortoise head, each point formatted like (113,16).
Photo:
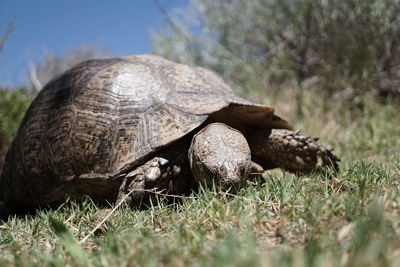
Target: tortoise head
(219,155)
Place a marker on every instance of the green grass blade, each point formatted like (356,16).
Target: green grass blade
(69,242)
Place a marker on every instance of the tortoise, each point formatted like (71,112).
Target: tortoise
(109,128)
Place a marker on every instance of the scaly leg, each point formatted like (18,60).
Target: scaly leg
(154,174)
(291,151)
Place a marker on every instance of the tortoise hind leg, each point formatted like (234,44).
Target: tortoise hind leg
(292,151)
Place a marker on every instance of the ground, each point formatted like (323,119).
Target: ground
(350,218)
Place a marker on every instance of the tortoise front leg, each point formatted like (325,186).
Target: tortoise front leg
(152,175)
(291,151)
(168,173)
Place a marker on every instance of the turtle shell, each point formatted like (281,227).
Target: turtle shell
(103,117)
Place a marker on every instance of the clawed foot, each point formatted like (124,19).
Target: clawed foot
(156,173)
(153,175)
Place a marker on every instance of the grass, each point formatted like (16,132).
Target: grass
(346,219)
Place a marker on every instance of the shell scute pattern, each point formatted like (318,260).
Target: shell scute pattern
(196,90)
(104,116)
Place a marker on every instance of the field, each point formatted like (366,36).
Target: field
(350,218)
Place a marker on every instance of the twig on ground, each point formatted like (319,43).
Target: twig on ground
(83,240)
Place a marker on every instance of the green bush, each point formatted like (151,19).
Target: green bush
(334,46)
(13,104)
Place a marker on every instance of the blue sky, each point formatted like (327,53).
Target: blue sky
(122,27)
